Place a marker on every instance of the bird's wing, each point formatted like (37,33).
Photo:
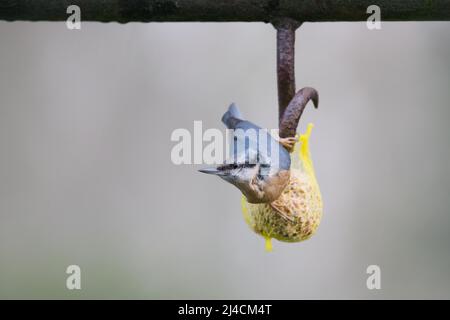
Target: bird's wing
(251,143)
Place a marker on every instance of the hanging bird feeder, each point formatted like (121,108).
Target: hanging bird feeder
(281,197)
(296,214)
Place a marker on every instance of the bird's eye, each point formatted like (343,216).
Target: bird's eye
(263,171)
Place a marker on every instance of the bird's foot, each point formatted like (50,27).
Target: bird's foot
(288,143)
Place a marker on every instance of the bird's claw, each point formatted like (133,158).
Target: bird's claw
(288,143)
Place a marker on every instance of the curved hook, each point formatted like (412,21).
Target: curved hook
(291,116)
(290,104)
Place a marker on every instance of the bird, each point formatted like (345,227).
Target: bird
(260,164)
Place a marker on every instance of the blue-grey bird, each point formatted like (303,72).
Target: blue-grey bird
(259,165)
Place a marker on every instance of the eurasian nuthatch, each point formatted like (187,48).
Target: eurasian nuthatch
(260,165)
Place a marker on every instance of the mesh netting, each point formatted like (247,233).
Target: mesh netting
(296,214)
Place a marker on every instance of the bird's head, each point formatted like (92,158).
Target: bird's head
(260,183)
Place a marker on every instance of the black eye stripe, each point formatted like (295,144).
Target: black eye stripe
(233,166)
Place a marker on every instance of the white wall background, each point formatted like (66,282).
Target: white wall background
(86,176)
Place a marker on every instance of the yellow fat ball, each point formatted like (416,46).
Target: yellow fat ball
(296,214)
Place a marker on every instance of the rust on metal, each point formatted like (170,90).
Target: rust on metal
(291,116)
(290,104)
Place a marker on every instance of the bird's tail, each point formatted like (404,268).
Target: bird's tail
(229,118)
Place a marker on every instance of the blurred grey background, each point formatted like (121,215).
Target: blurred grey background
(86,176)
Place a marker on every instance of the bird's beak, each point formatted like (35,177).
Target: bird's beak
(214,171)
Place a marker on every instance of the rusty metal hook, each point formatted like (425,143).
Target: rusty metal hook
(290,104)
